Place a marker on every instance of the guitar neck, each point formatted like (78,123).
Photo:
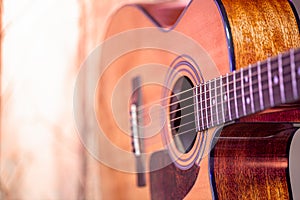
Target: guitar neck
(266,84)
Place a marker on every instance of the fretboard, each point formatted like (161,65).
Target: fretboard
(263,85)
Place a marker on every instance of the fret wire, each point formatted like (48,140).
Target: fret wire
(203,102)
(251,88)
(210,100)
(261,97)
(281,79)
(228,97)
(293,70)
(243,95)
(206,106)
(270,82)
(201,106)
(253,83)
(264,88)
(196,103)
(222,100)
(246,84)
(216,101)
(234,93)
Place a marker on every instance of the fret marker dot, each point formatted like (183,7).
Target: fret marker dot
(225,97)
(213,102)
(248,100)
(275,80)
(246,79)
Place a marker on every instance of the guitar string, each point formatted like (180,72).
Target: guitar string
(239,96)
(215,88)
(253,66)
(213,96)
(209,115)
(218,104)
(207,99)
(186,130)
(212,106)
(174,128)
(217,80)
(213,121)
(247,84)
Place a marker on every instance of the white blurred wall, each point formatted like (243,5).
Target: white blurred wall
(39,144)
(44,43)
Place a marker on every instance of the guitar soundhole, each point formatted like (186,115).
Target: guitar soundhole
(182,118)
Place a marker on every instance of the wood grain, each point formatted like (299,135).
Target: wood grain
(254,166)
(261,29)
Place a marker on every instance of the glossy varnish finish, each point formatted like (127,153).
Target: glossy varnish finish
(250,160)
(254,166)
(261,29)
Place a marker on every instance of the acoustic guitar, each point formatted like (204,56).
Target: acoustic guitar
(199,100)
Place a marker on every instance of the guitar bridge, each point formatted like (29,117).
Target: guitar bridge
(136,130)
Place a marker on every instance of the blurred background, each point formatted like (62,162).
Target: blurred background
(43,43)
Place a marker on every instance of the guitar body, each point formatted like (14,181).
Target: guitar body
(203,40)
(256,168)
